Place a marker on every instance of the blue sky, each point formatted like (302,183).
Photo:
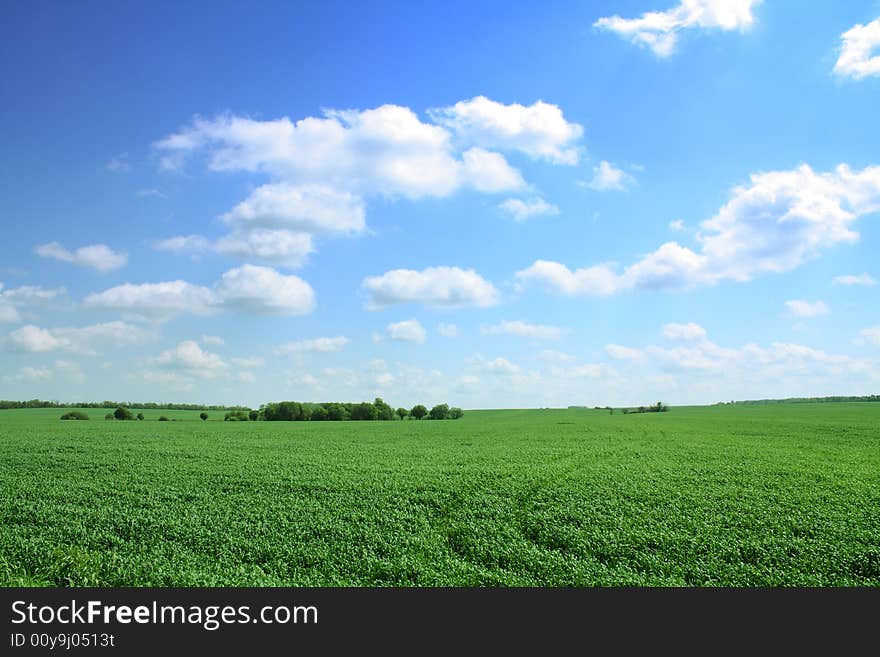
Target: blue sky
(488,204)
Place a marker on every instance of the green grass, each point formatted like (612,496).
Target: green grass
(745,496)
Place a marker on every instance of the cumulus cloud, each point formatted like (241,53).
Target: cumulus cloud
(213,340)
(97,256)
(314,209)
(247,289)
(25,296)
(607,177)
(851,279)
(870,335)
(449,287)
(659,30)
(280,247)
(409,330)
(523,329)
(448,330)
(539,130)
(685,332)
(801,308)
(81,340)
(776,223)
(857,59)
(184,244)
(619,352)
(323,169)
(521,210)
(314,345)
(190,358)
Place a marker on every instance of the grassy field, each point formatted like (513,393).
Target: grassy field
(748,496)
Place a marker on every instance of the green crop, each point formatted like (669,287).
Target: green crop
(775,495)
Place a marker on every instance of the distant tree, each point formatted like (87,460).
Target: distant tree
(253,415)
(418,411)
(122,413)
(236,416)
(75,415)
(338,412)
(383,410)
(455,413)
(203,415)
(140,416)
(439,412)
(320,414)
(162,418)
(364,411)
(402,412)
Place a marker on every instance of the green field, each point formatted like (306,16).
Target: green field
(772,495)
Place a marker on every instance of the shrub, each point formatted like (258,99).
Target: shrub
(203,416)
(75,415)
(122,414)
(254,415)
(140,416)
(455,412)
(439,412)
(236,416)
(109,416)
(162,418)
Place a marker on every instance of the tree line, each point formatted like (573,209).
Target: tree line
(293,411)
(168,406)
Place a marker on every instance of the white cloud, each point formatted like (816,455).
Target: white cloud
(97,256)
(539,130)
(448,330)
(281,247)
(619,352)
(850,279)
(870,335)
(262,290)
(523,329)
(435,286)
(184,244)
(489,172)
(607,177)
(323,169)
(26,295)
(190,358)
(658,30)
(315,209)
(521,210)
(82,340)
(856,58)
(800,308)
(407,331)
(30,375)
(153,300)
(213,340)
(495,366)
(686,332)
(676,225)
(387,150)
(775,224)
(33,339)
(315,345)
(275,246)
(249,289)
(118,164)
